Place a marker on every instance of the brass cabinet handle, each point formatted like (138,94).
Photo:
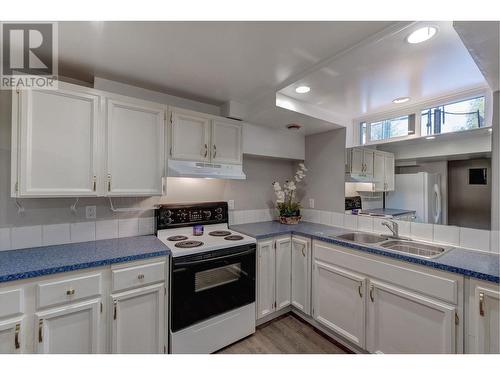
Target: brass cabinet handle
(215,151)
(304,250)
(40,330)
(109,182)
(359,289)
(481,304)
(114,309)
(140,276)
(16,336)
(371,293)
(206,151)
(70,292)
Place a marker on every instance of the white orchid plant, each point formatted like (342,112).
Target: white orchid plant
(285,197)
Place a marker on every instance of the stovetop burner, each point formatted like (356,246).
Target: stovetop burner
(188,244)
(177,238)
(233,237)
(220,233)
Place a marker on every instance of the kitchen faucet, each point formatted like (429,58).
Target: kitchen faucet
(393,227)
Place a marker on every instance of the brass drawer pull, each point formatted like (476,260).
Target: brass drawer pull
(94,183)
(304,251)
(371,293)
(481,304)
(40,330)
(206,151)
(359,289)
(114,309)
(140,276)
(70,292)
(16,336)
(215,151)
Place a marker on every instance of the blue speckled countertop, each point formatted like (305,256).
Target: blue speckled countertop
(46,260)
(476,264)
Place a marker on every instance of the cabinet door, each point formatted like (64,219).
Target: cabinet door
(139,321)
(368,161)
(485,312)
(226,143)
(400,321)
(339,301)
(11,336)
(135,148)
(378,172)
(71,329)
(357,163)
(265,278)
(283,272)
(57,138)
(301,275)
(389,172)
(190,137)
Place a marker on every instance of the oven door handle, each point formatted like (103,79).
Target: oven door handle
(202,261)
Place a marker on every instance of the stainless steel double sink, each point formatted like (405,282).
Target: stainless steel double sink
(400,245)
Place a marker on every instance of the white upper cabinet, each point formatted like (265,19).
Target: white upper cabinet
(360,162)
(55,142)
(389,172)
(383,171)
(205,138)
(190,137)
(226,142)
(135,152)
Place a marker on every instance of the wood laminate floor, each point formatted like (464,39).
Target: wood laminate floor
(284,335)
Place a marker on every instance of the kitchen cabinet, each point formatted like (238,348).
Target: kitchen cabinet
(360,162)
(273,275)
(301,274)
(11,336)
(55,142)
(73,328)
(339,301)
(139,320)
(135,147)
(389,172)
(205,138)
(385,306)
(484,317)
(400,321)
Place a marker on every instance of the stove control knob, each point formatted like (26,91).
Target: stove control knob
(167,213)
(218,216)
(169,220)
(218,210)
(207,214)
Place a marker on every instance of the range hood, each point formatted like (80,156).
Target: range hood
(179,168)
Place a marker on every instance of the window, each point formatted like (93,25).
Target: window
(453,117)
(386,129)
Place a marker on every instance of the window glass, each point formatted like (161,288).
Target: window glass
(453,117)
(390,128)
(362,133)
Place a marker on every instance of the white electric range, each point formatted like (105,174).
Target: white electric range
(212,277)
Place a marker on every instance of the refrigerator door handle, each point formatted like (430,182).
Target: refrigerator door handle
(437,203)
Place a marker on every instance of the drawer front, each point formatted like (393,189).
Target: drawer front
(68,290)
(11,302)
(137,276)
(433,283)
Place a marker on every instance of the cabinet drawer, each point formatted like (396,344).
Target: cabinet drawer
(67,290)
(11,302)
(136,276)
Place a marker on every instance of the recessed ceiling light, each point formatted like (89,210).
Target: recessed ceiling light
(431,137)
(422,34)
(302,89)
(403,99)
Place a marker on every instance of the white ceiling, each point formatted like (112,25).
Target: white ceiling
(369,77)
(208,61)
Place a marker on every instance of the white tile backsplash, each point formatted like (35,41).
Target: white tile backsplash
(337,219)
(365,223)
(422,231)
(146,225)
(379,228)
(128,227)
(105,229)
(447,234)
(23,237)
(495,242)
(315,217)
(351,221)
(325,217)
(55,234)
(475,239)
(5,243)
(404,228)
(82,232)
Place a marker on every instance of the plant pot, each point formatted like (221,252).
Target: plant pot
(290,220)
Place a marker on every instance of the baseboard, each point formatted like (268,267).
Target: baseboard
(274,315)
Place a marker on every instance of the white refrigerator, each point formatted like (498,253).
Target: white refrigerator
(420,192)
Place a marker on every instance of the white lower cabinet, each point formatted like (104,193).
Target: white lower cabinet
(301,274)
(11,336)
(71,329)
(339,301)
(139,320)
(484,317)
(273,275)
(400,321)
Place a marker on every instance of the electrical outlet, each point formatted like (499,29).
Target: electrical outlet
(230,204)
(311,202)
(90,212)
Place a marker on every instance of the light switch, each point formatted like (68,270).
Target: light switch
(311,202)
(230,204)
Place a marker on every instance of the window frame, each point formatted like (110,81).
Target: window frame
(417,109)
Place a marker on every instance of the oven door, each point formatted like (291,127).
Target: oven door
(206,285)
